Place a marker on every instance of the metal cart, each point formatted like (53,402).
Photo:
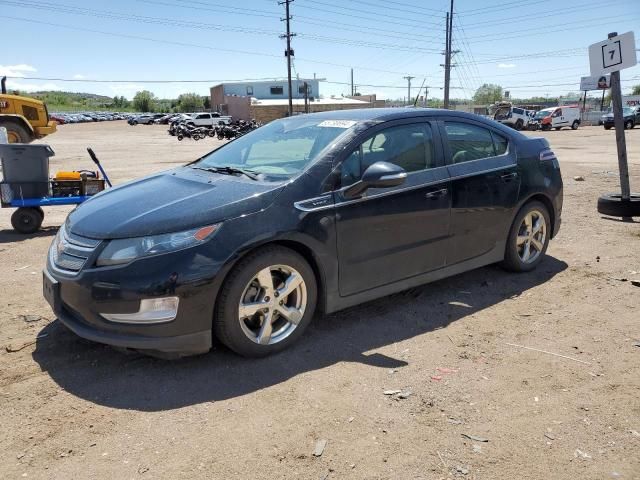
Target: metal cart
(26,185)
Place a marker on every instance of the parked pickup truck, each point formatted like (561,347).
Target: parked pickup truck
(208,119)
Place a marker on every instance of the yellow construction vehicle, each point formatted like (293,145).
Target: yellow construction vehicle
(24,118)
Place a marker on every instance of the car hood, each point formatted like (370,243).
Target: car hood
(171,201)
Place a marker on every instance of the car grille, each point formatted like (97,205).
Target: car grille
(71,252)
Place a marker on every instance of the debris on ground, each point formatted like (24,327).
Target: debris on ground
(580,454)
(635,283)
(320,445)
(404,395)
(446,370)
(548,353)
(549,436)
(579,178)
(436,377)
(475,438)
(392,392)
(12,349)
(30,318)
(462,470)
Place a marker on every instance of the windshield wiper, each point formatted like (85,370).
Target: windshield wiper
(230,171)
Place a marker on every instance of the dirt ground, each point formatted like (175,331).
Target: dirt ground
(479,408)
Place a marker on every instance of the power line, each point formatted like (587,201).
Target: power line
(194,45)
(370,30)
(60,8)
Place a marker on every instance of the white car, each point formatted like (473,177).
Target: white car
(515,117)
(208,119)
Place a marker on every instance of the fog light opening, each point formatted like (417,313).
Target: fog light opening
(152,310)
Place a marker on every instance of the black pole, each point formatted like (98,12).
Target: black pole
(447,64)
(306,97)
(602,101)
(289,52)
(618,121)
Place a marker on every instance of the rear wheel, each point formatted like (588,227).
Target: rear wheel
(528,239)
(266,302)
(17,133)
(628,125)
(575,125)
(607,127)
(26,220)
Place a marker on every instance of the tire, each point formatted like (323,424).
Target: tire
(519,125)
(40,211)
(17,133)
(628,125)
(607,127)
(243,334)
(558,128)
(180,137)
(514,259)
(26,220)
(612,204)
(134,123)
(575,125)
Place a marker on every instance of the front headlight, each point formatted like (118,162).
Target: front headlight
(126,250)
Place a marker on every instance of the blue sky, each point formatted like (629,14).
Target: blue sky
(531,47)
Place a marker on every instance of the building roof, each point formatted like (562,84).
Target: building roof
(316,101)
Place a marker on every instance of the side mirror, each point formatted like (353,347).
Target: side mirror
(378,175)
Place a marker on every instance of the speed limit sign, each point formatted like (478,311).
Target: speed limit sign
(616,53)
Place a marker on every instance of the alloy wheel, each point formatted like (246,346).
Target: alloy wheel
(272,304)
(531,237)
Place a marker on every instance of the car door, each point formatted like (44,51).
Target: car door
(558,119)
(391,234)
(485,182)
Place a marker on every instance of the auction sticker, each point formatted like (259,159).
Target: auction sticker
(337,123)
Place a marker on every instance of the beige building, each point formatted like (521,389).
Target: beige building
(247,108)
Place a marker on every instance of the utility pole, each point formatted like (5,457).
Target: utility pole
(408,78)
(289,52)
(352,90)
(448,53)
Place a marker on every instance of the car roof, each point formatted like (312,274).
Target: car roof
(389,113)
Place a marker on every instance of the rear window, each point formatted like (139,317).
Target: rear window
(470,142)
(519,111)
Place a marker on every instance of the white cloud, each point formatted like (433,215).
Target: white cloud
(79,76)
(16,70)
(506,65)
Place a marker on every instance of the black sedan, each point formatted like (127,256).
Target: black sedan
(313,212)
(631,118)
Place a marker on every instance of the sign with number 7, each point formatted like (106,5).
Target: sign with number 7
(616,53)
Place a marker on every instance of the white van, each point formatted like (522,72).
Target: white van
(558,117)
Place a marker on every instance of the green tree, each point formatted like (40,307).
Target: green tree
(189,102)
(144,101)
(487,94)
(206,102)
(635,90)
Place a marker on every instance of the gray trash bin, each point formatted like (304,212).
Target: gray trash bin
(26,169)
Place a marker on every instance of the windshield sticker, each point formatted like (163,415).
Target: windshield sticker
(337,123)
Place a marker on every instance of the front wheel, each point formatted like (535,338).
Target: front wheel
(528,238)
(628,125)
(266,302)
(575,125)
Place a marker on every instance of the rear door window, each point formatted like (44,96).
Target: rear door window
(468,142)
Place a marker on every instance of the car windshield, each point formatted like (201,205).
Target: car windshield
(627,110)
(543,113)
(280,149)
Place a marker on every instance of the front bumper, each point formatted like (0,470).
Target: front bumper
(79,299)
(48,130)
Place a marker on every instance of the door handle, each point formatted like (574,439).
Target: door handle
(508,177)
(437,193)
